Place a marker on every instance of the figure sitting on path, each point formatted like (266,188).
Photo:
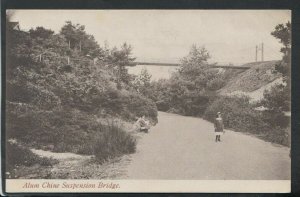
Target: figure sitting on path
(142,124)
(219,127)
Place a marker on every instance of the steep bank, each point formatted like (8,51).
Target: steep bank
(59,85)
(252,82)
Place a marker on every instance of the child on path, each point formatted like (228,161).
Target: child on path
(219,127)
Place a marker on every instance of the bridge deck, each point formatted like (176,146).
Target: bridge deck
(174,64)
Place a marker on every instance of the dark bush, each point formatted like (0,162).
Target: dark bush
(139,105)
(238,114)
(126,105)
(69,130)
(216,83)
(65,129)
(53,105)
(17,155)
(113,142)
(278,98)
(276,118)
(162,105)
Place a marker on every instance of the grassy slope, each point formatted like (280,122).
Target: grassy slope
(258,76)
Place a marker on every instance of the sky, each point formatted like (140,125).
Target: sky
(230,36)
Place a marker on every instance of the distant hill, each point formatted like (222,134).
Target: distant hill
(253,81)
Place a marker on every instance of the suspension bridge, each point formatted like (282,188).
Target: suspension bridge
(176,64)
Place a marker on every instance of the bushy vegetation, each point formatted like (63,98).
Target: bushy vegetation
(59,85)
(238,114)
(114,142)
(193,90)
(278,98)
(188,91)
(17,155)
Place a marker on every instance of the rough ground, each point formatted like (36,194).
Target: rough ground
(258,94)
(74,166)
(254,81)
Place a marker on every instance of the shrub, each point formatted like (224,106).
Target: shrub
(216,83)
(125,104)
(52,103)
(278,98)
(66,129)
(278,135)
(162,105)
(17,155)
(139,105)
(69,130)
(276,118)
(113,142)
(238,114)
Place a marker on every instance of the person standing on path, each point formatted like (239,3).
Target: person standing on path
(219,127)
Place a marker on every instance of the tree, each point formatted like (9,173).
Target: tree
(196,56)
(278,98)
(119,59)
(142,83)
(195,68)
(283,33)
(187,91)
(145,77)
(79,40)
(40,32)
(72,33)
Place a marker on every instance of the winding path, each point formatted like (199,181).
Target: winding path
(181,147)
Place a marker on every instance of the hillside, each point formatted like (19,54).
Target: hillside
(59,98)
(254,81)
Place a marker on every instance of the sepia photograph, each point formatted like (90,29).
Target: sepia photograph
(147,100)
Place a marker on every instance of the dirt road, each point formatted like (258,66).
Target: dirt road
(181,147)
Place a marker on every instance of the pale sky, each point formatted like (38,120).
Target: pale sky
(166,35)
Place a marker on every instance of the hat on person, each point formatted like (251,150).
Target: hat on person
(219,113)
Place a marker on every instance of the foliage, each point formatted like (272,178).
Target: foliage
(189,90)
(67,130)
(277,98)
(55,102)
(236,112)
(17,155)
(216,83)
(114,142)
(78,39)
(118,59)
(195,68)
(140,106)
(142,83)
(239,114)
(40,32)
(197,56)
(160,94)
(283,33)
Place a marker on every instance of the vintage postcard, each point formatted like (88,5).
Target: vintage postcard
(148,101)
